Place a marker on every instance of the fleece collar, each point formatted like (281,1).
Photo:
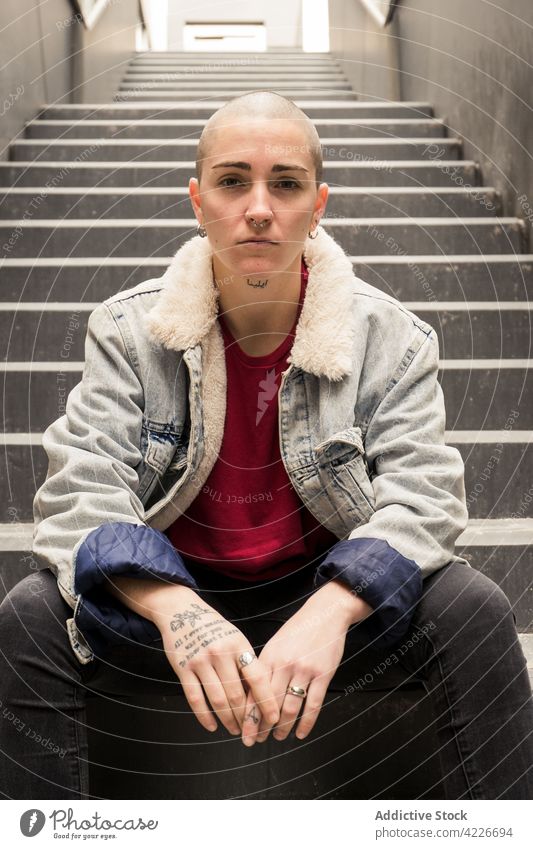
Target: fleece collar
(187,306)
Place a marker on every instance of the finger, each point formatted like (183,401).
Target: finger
(252,718)
(258,676)
(194,694)
(316,693)
(217,698)
(228,673)
(280,681)
(292,705)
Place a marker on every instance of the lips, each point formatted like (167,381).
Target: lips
(257,241)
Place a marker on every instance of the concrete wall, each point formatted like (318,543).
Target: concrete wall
(474,62)
(368,53)
(282,18)
(48,55)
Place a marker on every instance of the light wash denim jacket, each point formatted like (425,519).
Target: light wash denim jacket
(361,431)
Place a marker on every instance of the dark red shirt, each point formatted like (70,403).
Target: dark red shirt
(248,521)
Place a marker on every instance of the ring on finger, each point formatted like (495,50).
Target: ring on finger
(246,658)
(296,690)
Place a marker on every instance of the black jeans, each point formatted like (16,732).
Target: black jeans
(462,645)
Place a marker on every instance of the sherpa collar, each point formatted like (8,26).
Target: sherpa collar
(187,306)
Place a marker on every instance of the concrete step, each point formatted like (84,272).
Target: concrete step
(190,74)
(141,94)
(165,203)
(154,150)
(422,278)
(478,393)
(497,472)
(191,128)
(243,82)
(450,278)
(465,331)
(390,110)
(375,174)
(163,236)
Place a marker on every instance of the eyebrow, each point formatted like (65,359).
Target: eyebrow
(245,166)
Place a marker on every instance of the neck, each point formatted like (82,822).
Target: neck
(260,309)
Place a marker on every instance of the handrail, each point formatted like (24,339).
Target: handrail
(90,10)
(379,17)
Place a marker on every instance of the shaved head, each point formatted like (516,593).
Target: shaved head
(257,105)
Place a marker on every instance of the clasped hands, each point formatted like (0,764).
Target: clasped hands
(203,648)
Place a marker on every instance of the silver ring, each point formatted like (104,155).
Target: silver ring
(294,690)
(246,657)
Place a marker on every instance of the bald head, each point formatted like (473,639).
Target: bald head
(257,105)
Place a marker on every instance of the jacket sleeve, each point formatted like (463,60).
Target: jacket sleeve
(420,507)
(88,520)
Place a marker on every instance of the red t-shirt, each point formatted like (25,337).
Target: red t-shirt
(248,521)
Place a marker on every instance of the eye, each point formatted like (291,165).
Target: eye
(293,183)
(225,179)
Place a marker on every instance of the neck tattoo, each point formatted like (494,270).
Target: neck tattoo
(257,284)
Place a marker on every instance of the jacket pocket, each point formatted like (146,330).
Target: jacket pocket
(159,444)
(343,471)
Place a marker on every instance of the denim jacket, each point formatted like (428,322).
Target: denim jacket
(361,433)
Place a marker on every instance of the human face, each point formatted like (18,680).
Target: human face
(258,171)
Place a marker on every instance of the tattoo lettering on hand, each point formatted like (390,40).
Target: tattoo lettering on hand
(188,617)
(201,637)
(257,284)
(253,716)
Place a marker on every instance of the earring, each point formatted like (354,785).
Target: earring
(313,236)
(201,231)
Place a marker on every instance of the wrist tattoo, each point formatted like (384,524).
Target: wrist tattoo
(188,617)
(257,284)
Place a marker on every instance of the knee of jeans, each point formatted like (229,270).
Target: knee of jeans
(483,598)
(33,603)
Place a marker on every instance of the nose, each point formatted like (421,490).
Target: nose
(259,210)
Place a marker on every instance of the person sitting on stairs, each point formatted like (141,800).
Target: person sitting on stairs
(250,491)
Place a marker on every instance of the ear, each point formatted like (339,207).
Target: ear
(320,202)
(194,194)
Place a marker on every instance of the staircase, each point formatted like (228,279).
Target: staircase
(95,200)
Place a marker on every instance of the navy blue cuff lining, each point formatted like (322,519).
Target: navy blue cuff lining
(128,550)
(389,582)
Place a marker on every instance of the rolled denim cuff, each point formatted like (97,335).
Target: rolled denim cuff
(128,550)
(389,582)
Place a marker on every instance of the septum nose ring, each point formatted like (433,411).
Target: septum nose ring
(259,224)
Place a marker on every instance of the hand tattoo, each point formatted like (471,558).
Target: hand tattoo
(189,616)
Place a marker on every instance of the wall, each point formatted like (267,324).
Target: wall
(474,62)
(282,18)
(367,53)
(49,56)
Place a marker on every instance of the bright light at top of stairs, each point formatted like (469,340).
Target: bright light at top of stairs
(315,26)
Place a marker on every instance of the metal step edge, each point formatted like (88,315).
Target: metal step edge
(452,437)
(370,163)
(406,259)
(449,141)
(54,366)
(414,306)
(188,104)
(17,536)
(181,190)
(138,223)
(175,122)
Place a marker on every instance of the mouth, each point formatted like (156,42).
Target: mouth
(257,242)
